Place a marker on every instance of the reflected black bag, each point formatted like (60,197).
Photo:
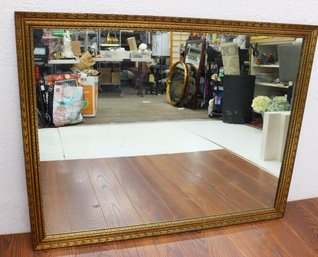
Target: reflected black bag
(45,95)
(190,96)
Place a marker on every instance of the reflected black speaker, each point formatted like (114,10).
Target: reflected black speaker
(237,99)
(289,59)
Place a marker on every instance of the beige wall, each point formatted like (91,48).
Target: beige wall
(177,38)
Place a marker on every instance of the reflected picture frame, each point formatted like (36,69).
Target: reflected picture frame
(195,52)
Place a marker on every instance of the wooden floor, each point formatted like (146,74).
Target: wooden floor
(295,235)
(113,192)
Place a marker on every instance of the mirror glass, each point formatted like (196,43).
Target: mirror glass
(195,50)
(177,82)
(115,153)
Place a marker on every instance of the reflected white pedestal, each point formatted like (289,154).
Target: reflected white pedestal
(275,126)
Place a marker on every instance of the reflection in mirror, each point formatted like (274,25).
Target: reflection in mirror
(195,52)
(177,83)
(115,153)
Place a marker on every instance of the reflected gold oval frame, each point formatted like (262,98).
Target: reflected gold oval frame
(171,81)
(27,21)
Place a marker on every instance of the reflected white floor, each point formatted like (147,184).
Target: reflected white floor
(134,139)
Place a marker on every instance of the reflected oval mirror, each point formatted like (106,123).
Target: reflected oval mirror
(107,158)
(177,83)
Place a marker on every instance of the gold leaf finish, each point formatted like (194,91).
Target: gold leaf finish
(27,21)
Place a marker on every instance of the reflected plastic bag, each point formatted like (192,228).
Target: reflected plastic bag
(67,104)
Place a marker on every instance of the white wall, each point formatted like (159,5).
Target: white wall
(13,198)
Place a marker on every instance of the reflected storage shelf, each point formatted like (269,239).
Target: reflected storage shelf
(266,66)
(64,61)
(267,84)
(109,45)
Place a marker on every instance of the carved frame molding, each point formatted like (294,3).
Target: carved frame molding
(27,21)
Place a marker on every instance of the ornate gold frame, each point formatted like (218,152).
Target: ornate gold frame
(26,22)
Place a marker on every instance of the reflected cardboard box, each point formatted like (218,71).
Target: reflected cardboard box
(76,48)
(105,76)
(115,77)
(90,85)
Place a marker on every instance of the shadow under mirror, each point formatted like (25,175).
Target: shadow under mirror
(139,127)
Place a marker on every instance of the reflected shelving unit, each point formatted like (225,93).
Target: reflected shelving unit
(265,65)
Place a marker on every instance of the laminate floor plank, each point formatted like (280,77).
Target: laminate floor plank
(310,206)
(197,244)
(212,168)
(81,199)
(55,220)
(293,235)
(145,247)
(175,197)
(114,202)
(255,177)
(269,238)
(16,245)
(302,218)
(142,195)
(247,167)
(231,190)
(259,175)
(110,192)
(193,186)
(212,197)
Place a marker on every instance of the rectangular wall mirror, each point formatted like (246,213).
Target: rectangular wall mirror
(138,126)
